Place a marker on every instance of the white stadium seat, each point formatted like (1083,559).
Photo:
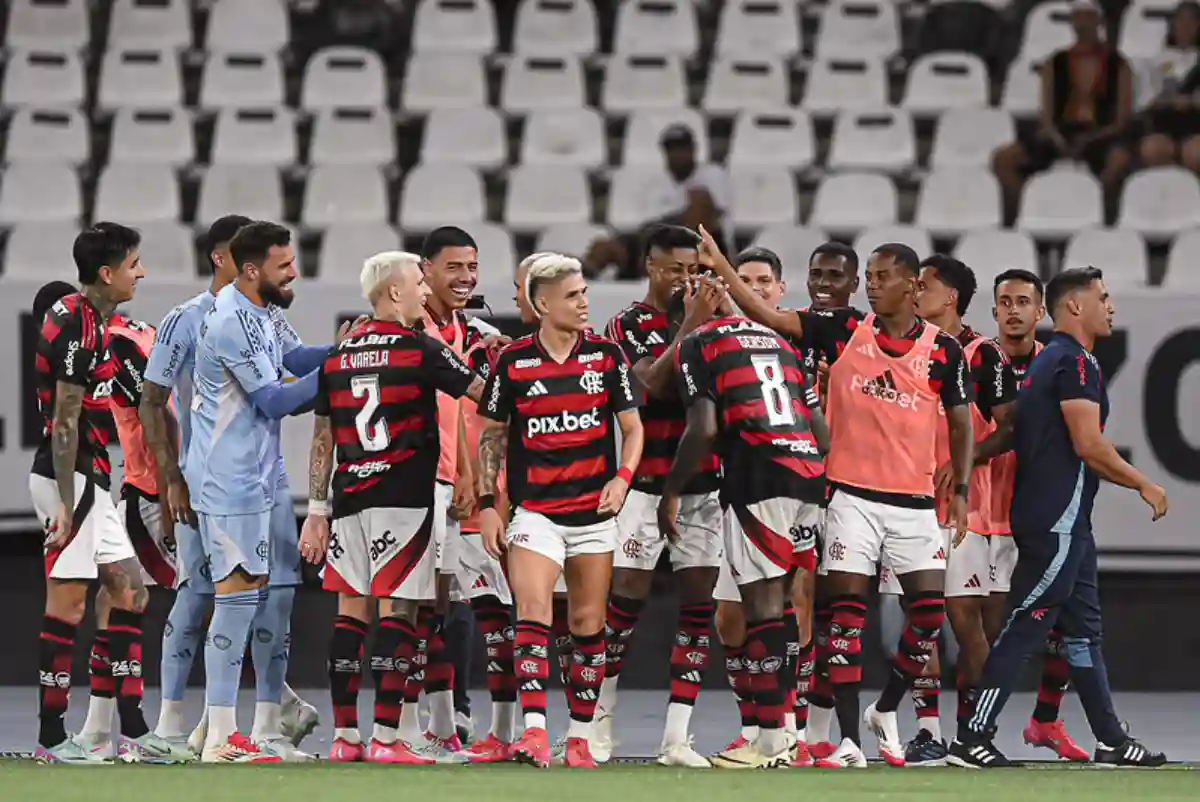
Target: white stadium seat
(630,193)
(353,136)
(150,24)
(658,27)
(1059,202)
(255,136)
(989,253)
(137,193)
(968,137)
(252,190)
(762,196)
(153,136)
(571,239)
(43,80)
(1160,201)
(793,245)
(1144,29)
(879,139)
(235,26)
(540,195)
(435,193)
(344,77)
(1181,263)
(25,256)
(443,81)
(140,79)
(167,251)
(48,24)
(345,246)
(461,26)
(845,83)
(1047,29)
(497,258)
(643,82)
(750,82)
(849,202)
(1119,253)
(542,82)
(1022,89)
(556,27)
(39,193)
(344,193)
(914,237)
(564,136)
(941,81)
(52,135)
(766,28)
(241,81)
(954,201)
(776,137)
(868,28)
(473,137)
(645,129)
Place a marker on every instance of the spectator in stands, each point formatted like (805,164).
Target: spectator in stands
(1173,119)
(1087,92)
(687,193)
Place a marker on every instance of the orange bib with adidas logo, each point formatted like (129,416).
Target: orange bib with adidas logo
(979,497)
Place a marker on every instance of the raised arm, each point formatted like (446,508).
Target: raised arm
(784,321)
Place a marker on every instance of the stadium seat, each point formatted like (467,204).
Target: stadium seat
(140,79)
(497,260)
(989,252)
(255,136)
(345,246)
(968,137)
(473,137)
(58,25)
(542,82)
(460,26)
(632,83)
(849,202)
(735,84)
(1121,254)
(766,28)
(881,139)
(252,190)
(564,136)
(345,77)
(845,83)
(235,26)
(656,27)
(1159,202)
(25,257)
(168,251)
(867,28)
(150,24)
(1022,89)
(241,81)
(1144,28)
(630,202)
(914,237)
(645,129)
(778,137)
(1047,29)
(571,239)
(1182,272)
(762,196)
(556,27)
(941,81)
(54,135)
(152,136)
(435,193)
(43,80)
(40,193)
(540,195)
(137,193)
(794,246)
(443,81)
(954,201)
(1057,203)
(344,193)
(353,136)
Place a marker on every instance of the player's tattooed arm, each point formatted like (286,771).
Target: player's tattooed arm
(493,443)
(155,418)
(475,389)
(320,459)
(64,438)
(123,581)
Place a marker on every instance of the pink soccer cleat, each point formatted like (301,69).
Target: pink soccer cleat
(395,752)
(533,747)
(342,751)
(488,749)
(1053,735)
(578,754)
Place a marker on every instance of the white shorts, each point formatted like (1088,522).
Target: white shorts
(477,573)
(861,536)
(536,532)
(803,533)
(560,584)
(156,550)
(445,529)
(1002,560)
(966,568)
(385,553)
(99,539)
(639,543)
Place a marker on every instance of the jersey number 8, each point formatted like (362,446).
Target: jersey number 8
(372,436)
(773,383)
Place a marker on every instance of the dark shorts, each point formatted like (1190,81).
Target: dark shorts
(1041,153)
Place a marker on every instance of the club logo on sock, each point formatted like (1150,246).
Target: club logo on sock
(263,635)
(221,642)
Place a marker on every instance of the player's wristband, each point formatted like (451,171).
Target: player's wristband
(626,474)
(962,489)
(487,501)
(318,507)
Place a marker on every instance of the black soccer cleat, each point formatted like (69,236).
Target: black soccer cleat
(982,755)
(924,750)
(1130,753)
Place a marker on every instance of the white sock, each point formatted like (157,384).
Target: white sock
(932,725)
(99,716)
(441,713)
(410,724)
(203,725)
(289,696)
(536,721)
(676,729)
(385,735)
(607,701)
(266,721)
(772,741)
(789,722)
(222,722)
(820,723)
(802,736)
(750,732)
(504,721)
(170,719)
(579,729)
(348,734)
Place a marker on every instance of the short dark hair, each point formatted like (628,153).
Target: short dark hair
(446,237)
(104,244)
(48,296)
(1019,274)
(223,229)
(254,241)
(756,254)
(901,254)
(836,250)
(1067,282)
(956,275)
(667,238)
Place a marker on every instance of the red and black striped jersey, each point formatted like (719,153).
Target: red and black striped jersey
(561,433)
(755,378)
(73,347)
(377,387)
(641,332)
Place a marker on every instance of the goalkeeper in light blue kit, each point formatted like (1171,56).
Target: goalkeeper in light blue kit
(234,471)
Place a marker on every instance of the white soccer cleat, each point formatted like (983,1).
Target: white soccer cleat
(601,740)
(558,750)
(682,755)
(885,728)
(848,755)
(297,720)
(70,753)
(153,748)
(236,749)
(282,748)
(196,740)
(99,745)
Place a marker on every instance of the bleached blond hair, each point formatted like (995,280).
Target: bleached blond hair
(528,261)
(548,268)
(381,267)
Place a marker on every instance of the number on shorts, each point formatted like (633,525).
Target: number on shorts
(372,436)
(775,393)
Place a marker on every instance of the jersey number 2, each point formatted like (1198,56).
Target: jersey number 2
(776,397)
(372,436)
